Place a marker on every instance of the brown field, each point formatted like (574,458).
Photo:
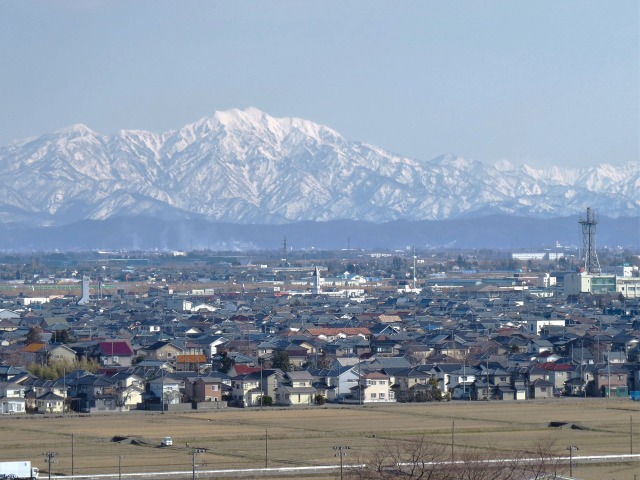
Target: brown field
(299,437)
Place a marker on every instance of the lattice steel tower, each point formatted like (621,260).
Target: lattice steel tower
(590,257)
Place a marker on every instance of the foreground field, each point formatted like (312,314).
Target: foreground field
(299,437)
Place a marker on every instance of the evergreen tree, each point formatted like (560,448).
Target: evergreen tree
(281,360)
(34,335)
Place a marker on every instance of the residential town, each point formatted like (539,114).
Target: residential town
(195,332)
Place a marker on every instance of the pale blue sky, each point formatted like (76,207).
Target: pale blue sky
(542,82)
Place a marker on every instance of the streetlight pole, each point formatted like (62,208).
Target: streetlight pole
(266,448)
(571,448)
(119,467)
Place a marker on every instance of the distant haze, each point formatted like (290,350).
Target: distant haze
(540,83)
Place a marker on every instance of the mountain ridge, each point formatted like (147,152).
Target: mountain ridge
(244,166)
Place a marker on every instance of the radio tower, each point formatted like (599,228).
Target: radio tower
(283,260)
(591,264)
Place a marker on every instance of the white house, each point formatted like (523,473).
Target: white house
(535,325)
(166,388)
(373,387)
(12,398)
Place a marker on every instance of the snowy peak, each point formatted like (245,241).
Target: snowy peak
(254,121)
(245,166)
(74,131)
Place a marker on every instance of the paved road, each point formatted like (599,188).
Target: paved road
(303,471)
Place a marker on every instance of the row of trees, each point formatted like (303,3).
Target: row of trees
(427,460)
(57,336)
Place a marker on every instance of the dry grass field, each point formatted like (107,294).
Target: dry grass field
(298,437)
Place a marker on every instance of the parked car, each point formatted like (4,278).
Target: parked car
(166,442)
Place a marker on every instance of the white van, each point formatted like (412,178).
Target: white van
(166,442)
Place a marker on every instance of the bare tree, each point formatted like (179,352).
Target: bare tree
(407,459)
(426,460)
(545,462)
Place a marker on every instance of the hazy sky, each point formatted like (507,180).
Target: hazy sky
(537,82)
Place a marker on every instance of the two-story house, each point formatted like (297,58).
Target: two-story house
(412,384)
(162,350)
(296,388)
(373,387)
(609,381)
(166,389)
(12,398)
(91,393)
(128,390)
(114,352)
(204,388)
(246,389)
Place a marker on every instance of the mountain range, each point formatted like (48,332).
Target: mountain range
(244,167)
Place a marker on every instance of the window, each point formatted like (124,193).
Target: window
(382,395)
(373,395)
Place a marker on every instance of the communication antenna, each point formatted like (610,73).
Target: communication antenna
(590,257)
(414,268)
(284,251)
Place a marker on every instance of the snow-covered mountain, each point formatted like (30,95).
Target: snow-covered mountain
(247,167)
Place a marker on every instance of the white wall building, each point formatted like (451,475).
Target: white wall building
(535,325)
(32,300)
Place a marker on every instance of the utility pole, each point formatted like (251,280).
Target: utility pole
(73,442)
(571,448)
(630,434)
(609,375)
(64,389)
(453,438)
(49,459)
(359,383)
(488,377)
(260,364)
(340,452)
(194,465)
(266,448)
(119,467)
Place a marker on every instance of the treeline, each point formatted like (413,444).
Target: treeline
(56,369)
